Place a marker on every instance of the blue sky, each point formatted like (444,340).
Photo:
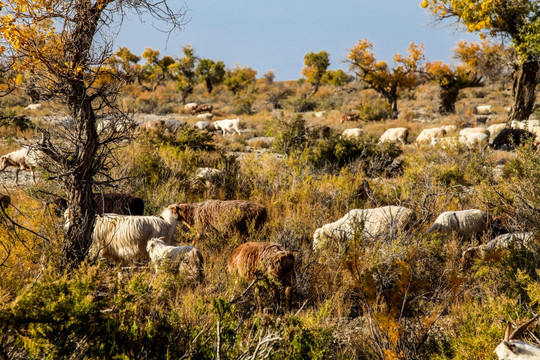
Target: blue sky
(275,35)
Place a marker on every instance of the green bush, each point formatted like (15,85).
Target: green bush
(301,103)
(290,134)
(377,110)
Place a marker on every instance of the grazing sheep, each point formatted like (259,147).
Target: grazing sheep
(174,125)
(34,107)
(427,135)
(203,108)
(476,130)
(122,238)
(221,216)
(205,116)
(188,258)
(394,135)
(350,117)
(483,109)
(377,223)
(508,139)
(153,125)
(474,139)
(511,349)
(204,125)
(495,129)
(466,223)
(23,159)
(353,133)
(252,259)
(108,125)
(115,203)
(190,106)
(227,125)
(525,124)
(495,246)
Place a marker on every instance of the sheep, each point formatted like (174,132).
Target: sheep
(188,258)
(508,139)
(122,238)
(173,125)
(116,203)
(153,125)
(221,216)
(474,139)
(109,125)
(251,259)
(483,109)
(427,134)
(205,116)
(511,349)
(350,117)
(466,223)
(190,106)
(202,108)
(24,159)
(476,130)
(495,129)
(227,125)
(536,132)
(204,125)
(377,223)
(495,246)
(208,175)
(353,133)
(525,124)
(396,134)
(445,141)
(318,132)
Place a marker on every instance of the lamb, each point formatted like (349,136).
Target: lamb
(121,238)
(483,109)
(394,135)
(377,223)
(252,259)
(227,125)
(188,258)
(24,159)
(466,223)
(495,246)
(511,349)
(427,134)
(353,133)
(221,216)
(116,203)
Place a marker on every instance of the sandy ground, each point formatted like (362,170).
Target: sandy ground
(7,178)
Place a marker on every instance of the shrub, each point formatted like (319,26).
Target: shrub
(377,110)
(290,135)
(301,103)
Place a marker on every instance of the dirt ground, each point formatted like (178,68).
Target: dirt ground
(7,178)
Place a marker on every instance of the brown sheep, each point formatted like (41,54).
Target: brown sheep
(203,108)
(221,216)
(116,203)
(350,117)
(253,259)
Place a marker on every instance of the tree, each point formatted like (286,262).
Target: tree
(123,61)
(210,72)
(517,20)
(184,72)
(156,70)
(337,78)
(489,60)
(239,78)
(63,45)
(451,80)
(315,68)
(377,75)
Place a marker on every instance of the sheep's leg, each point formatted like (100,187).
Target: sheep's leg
(17,176)
(288,297)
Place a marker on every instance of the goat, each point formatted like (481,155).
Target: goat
(511,349)
(188,258)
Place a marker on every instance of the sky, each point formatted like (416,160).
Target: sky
(275,35)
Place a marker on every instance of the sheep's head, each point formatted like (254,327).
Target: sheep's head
(152,243)
(183,213)
(510,349)
(467,257)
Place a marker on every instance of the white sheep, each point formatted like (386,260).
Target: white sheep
(444,142)
(466,223)
(525,124)
(122,238)
(495,129)
(511,349)
(474,139)
(495,246)
(475,130)
(375,223)
(24,159)
(353,133)
(483,109)
(427,135)
(204,125)
(188,258)
(227,125)
(449,128)
(190,106)
(394,135)
(205,116)
(34,107)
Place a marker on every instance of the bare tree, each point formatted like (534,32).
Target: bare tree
(61,47)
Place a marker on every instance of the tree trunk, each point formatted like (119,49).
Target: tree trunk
(392,99)
(525,80)
(448,97)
